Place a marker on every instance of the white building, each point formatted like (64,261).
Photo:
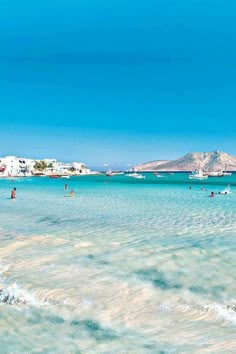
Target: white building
(11,166)
(80,168)
(75,168)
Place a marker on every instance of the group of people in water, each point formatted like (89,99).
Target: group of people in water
(73,194)
(70,194)
(212,195)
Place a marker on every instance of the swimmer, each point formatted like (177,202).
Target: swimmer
(71,194)
(212,195)
(190,187)
(65,186)
(13,193)
(226,191)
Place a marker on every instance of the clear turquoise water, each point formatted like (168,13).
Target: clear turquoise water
(127,266)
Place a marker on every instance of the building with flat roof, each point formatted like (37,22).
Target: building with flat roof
(13,166)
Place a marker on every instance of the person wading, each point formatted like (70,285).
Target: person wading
(13,193)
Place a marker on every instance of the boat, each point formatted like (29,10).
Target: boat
(225,172)
(157,175)
(135,175)
(38,174)
(214,173)
(198,175)
(111,173)
(58,176)
(219,173)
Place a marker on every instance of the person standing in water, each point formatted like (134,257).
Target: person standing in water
(13,193)
(66,187)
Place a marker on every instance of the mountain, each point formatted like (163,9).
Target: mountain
(208,161)
(151,166)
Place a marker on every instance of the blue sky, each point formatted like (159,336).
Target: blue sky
(118,82)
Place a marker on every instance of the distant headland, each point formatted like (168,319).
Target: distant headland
(207,161)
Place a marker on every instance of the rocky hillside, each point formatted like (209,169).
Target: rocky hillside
(151,166)
(208,161)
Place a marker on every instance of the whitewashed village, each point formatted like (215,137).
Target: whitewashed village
(13,166)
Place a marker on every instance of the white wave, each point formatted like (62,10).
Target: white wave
(14,295)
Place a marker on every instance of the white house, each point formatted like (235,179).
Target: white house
(11,166)
(80,168)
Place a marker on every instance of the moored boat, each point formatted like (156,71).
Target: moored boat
(198,175)
(58,176)
(158,175)
(111,173)
(135,175)
(225,173)
(219,173)
(214,173)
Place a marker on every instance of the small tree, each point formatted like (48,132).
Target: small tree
(40,165)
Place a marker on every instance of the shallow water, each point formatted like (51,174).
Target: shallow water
(132,266)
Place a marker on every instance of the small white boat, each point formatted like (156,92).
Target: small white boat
(214,173)
(225,172)
(135,175)
(219,173)
(198,175)
(111,173)
(156,174)
(65,176)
